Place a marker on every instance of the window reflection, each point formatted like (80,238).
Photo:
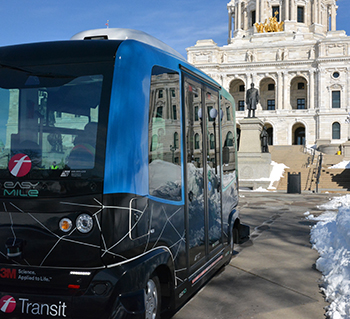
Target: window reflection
(164,135)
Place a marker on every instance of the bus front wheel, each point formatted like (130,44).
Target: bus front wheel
(234,238)
(153,298)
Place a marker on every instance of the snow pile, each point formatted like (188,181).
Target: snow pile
(260,189)
(276,173)
(336,202)
(331,238)
(343,164)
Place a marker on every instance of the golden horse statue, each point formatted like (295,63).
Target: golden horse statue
(271,26)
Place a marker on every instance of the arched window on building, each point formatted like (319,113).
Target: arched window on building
(159,112)
(298,93)
(237,90)
(176,140)
(267,94)
(229,139)
(228,113)
(212,141)
(299,135)
(336,131)
(196,141)
(196,117)
(154,144)
(270,134)
(174,112)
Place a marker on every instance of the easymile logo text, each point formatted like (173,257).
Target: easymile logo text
(22,189)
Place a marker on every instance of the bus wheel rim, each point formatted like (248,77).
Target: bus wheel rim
(151,300)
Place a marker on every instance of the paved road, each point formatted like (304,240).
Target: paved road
(273,275)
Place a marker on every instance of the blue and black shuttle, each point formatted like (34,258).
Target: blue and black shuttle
(118,178)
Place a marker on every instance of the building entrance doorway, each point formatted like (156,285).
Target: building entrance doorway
(298,134)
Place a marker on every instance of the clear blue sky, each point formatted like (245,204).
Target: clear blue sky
(179,23)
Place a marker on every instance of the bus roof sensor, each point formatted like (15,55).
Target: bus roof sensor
(125,34)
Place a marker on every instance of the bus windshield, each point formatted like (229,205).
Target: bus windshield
(48,120)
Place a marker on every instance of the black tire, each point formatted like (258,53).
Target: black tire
(234,238)
(232,245)
(153,298)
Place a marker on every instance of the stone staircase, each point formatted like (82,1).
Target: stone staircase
(331,180)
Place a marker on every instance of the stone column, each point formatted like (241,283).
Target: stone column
(229,28)
(318,88)
(235,17)
(231,11)
(333,17)
(245,19)
(279,91)
(317,119)
(319,12)
(292,10)
(348,90)
(257,11)
(286,10)
(308,15)
(311,98)
(286,89)
(238,17)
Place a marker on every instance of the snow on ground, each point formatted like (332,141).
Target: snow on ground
(343,164)
(331,238)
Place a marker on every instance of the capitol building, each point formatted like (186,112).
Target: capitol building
(298,60)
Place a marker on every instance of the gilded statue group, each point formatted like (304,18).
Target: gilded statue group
(272,26)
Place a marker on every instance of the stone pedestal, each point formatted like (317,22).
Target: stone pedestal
(346,151)
(254,167)
(251,128)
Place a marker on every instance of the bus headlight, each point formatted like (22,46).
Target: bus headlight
(84,223)
(65,225)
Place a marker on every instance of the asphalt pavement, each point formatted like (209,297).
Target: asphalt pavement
(273,275)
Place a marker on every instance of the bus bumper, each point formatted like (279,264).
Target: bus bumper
(103,298)
(21,306)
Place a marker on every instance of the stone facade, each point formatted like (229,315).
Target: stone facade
(302,72)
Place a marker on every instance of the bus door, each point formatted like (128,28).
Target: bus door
(213,168)
(203,173)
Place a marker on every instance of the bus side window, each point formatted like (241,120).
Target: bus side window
(164,135)
(228,142)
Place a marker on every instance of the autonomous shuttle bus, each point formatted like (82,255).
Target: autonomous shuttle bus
(118,178)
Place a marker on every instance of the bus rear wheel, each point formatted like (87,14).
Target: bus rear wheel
(153,298)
